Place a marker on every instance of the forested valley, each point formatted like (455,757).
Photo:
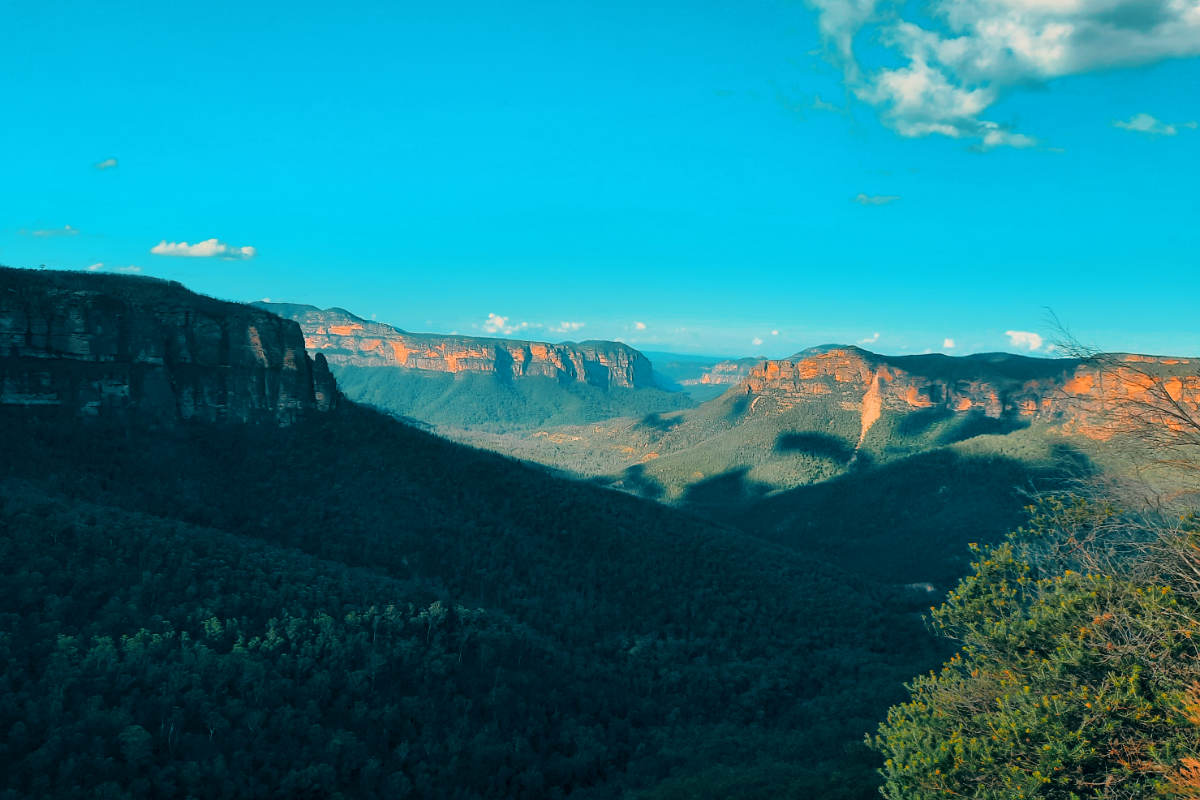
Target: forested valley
(353,607)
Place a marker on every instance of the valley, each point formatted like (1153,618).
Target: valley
(884,465)
(249,551)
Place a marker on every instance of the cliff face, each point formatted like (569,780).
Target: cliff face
(107,344)
(348,340)
(1079,395)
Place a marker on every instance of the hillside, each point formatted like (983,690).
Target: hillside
(889,465)
(481,383)
(348,604)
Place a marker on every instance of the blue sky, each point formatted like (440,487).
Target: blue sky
(738,178)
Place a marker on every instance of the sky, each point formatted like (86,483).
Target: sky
(734,178)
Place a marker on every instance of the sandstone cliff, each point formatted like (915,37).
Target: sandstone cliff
(347,340)
(1079,395)
(107,344)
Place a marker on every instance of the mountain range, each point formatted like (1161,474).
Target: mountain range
(246,553)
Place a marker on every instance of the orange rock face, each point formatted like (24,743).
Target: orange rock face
(350,341)
(1083,398)
(106,344)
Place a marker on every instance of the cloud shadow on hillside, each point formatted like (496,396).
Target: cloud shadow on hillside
(976,423)
(637,481)
(733,488)
(818,445)
(655,422)
(738,407)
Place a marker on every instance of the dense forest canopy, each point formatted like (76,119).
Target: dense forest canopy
(352,605)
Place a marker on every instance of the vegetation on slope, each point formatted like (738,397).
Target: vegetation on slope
(1078,669)
(484,401)
(901,508)
(354,606)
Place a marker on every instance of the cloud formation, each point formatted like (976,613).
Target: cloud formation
(875,200)
(1025,339)
(756,341)
(65,230)
(130,268)
(970,53)
(568,327)
(107,163)
(96,267)
(641,326)
(948,344)
(1144,123)
(870,339)
(209,248)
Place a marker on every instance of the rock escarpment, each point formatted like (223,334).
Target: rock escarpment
(1086,398)
(347,340)
(107,344)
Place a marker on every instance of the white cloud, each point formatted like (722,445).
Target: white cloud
(875,200)
(96,267)
(774,333)
(568,327)
(1024,339)
(869,339)
(130,268)
(1144,123)
(209,248)
(948,344)
(498,324)
(973,52)
(756,341)
(641,326)
(107,163)
(65,230)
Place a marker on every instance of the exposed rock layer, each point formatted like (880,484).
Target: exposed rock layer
(105,344)
(1087,398)
(348,340)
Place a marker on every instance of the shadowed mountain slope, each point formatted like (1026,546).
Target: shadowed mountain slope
(819,450)
(352,605)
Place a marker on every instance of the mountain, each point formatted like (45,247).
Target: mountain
(347,340)
(481,383)
(702,377)
(103,344)
(348,605)
(887,465)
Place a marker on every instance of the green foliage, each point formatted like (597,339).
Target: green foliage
(906,521)
(226,589)
(488,402)
(1069,683)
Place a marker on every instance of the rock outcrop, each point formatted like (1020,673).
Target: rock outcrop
(108,344)
(347,340)
(1086,398)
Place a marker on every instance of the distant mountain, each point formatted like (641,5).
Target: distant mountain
(889,464)
(349,606)
(477,382)
(702,377)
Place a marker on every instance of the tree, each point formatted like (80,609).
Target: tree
(1079,668)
